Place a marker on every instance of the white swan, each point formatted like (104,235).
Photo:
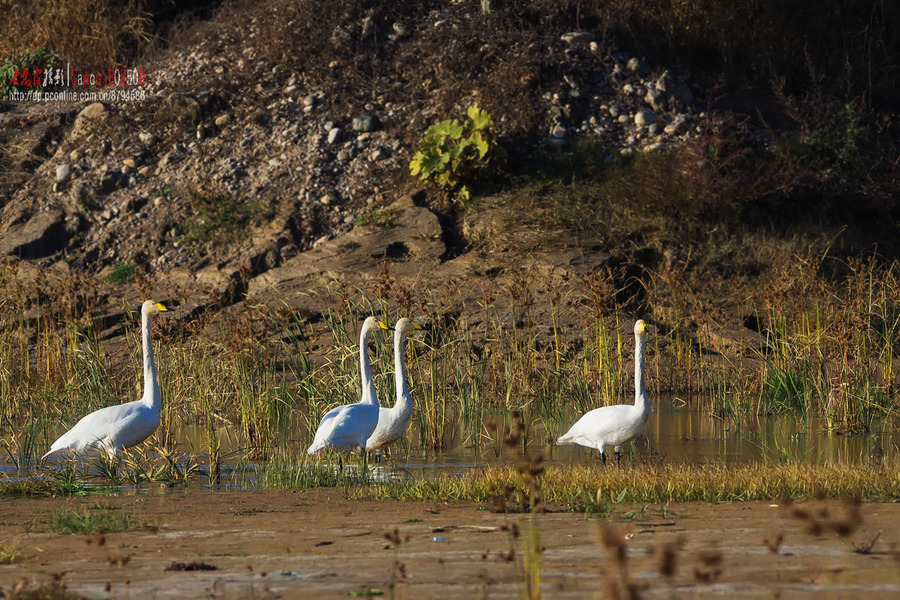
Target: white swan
(392,422)
(114,428)
(616,425)
(349,426)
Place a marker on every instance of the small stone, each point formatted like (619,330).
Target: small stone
(147,139)
(309,100)
(644,118)
(636,65)
(594,47)
(343,154)
(63,173)
(677,93)
(365,123)
(223,119)
(578,38)
(91,114)
(93,111)
(326,199)
(144,170)
(628,89)
(677,125)
(380,153)
(657,100)
(108,182)
(624,119)
(653,129)
(128,162)
(614,111)
(74,155)
(334,135)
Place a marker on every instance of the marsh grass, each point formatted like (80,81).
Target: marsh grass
(257,378)
(33,487)
(595,489)
(282,474)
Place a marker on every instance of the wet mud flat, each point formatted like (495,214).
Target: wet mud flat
(315,543)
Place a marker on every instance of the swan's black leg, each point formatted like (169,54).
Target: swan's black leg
(618,458)
(603,456)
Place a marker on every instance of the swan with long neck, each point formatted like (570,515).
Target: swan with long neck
(115,428)
(393,421)
(619,424)
(348,427)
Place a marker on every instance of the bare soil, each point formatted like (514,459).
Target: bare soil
(315,543)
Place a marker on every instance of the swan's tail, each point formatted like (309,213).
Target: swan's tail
(315,447)
(566,438)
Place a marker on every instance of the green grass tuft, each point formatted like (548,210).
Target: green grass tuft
(69,522)
(122,273)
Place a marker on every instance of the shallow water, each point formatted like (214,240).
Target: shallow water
(677,435)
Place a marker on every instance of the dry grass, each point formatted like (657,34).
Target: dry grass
(94,36)
(597,488)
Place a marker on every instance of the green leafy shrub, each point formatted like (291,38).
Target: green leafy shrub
(452,152)
(28,61)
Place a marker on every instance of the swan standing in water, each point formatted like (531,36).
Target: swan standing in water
(115,428)
(616,425)
(392,422)
(348,427)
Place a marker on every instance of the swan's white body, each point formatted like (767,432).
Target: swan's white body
(614,426)
(115,428)
(392,422)
(348,427)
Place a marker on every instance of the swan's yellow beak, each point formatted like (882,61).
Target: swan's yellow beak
(416,325)
(160,307)
(383,326)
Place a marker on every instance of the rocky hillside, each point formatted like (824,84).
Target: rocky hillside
(267,157)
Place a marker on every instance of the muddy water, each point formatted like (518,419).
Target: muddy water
(315,544)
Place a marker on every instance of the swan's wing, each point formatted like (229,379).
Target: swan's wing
(323,432)
(119,426)
(355,426)
(346,427)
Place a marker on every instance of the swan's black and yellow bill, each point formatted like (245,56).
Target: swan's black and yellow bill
(416,325)
(383,326)
(160,307)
